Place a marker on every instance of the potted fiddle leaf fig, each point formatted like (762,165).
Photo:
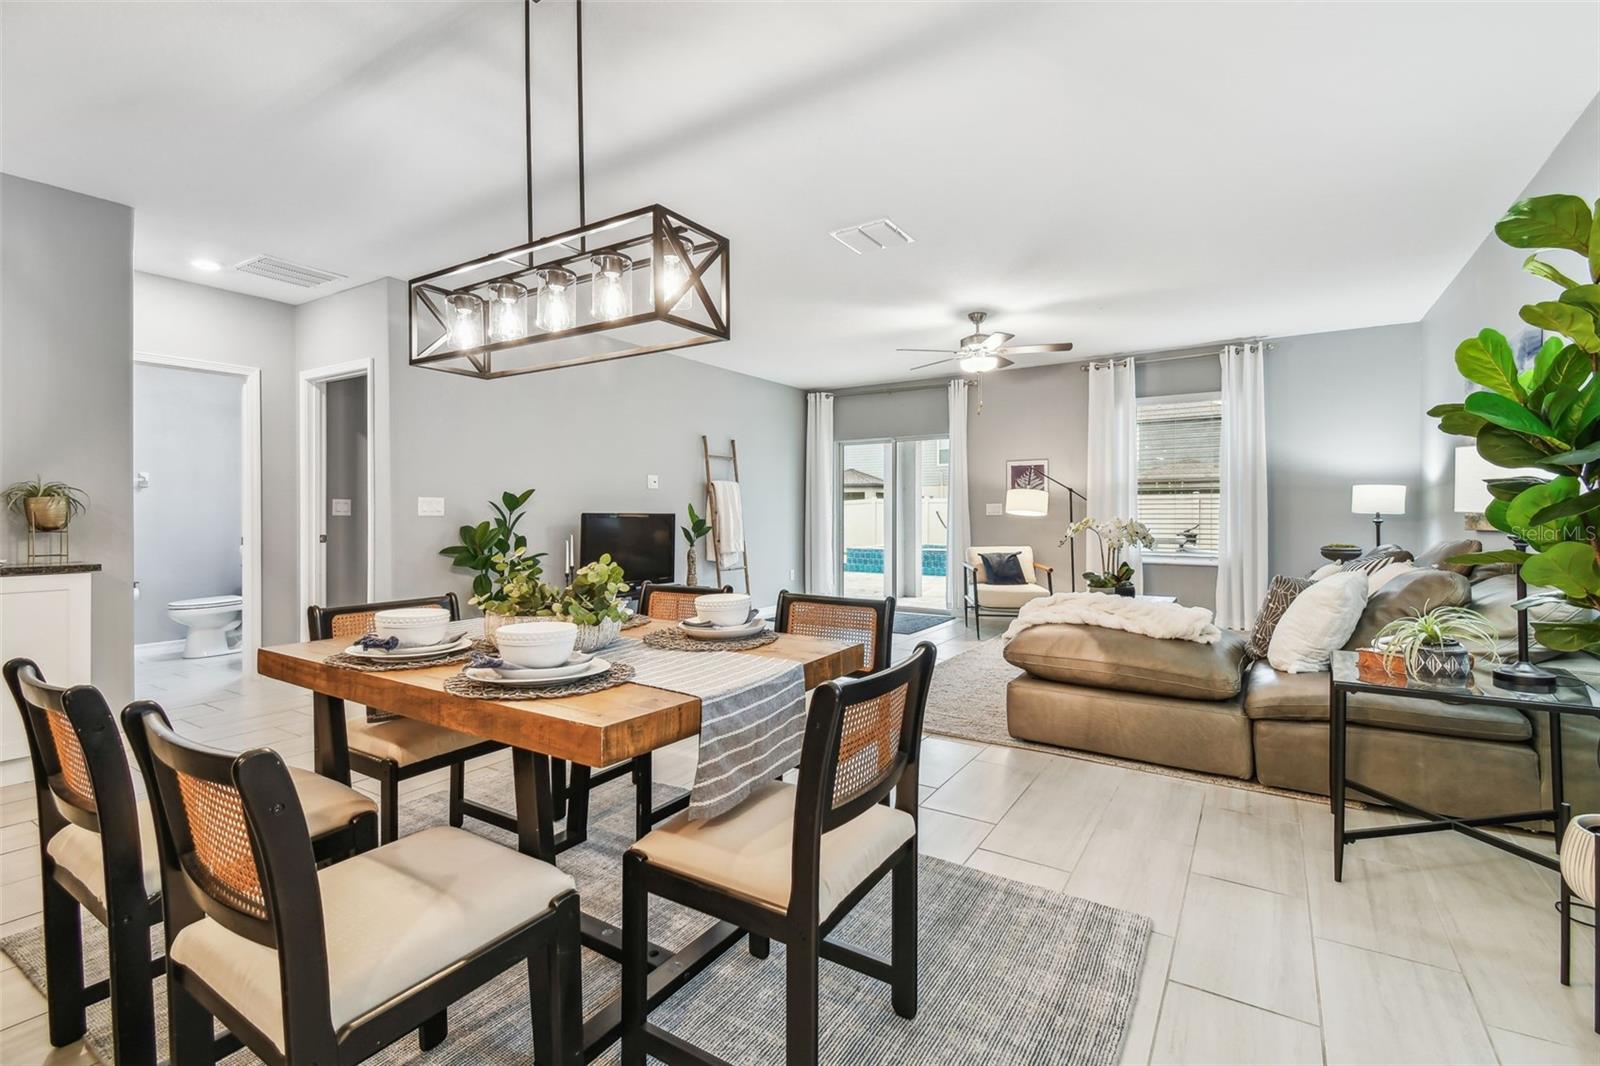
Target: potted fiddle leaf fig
(693,533)
(1545,415)
(48,506)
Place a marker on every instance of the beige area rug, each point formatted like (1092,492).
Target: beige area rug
(968,702)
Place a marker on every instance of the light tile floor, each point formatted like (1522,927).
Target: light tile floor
(1433,949)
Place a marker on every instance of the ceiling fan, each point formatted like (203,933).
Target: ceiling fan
(980,352)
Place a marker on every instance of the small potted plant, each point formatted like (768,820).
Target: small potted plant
(693,533)
(48,506)
(517,593)
(1431,645)
(505,582)
(593,602)
(1114,536)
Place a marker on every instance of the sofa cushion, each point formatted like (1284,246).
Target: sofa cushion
(1438,556)
(1270,694)
(1411,593)
(1493,599)
(1131,662)
(1024,557)
(1318,623)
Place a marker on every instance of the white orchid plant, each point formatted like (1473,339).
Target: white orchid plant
(1114,536)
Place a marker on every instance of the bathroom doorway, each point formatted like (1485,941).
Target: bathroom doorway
(337,483)
(196,529)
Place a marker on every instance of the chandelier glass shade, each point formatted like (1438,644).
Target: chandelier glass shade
(649,280)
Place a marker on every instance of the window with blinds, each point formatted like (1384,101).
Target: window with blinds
(1180,476)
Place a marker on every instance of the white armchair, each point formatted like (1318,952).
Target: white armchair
(981,598)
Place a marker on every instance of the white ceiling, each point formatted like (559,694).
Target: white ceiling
(1125,176)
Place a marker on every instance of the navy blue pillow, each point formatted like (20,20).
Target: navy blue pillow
(1003,568)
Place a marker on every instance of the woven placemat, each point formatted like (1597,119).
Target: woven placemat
(462,685)
(674,640)
(351,662)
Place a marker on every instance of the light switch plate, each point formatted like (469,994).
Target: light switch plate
(652,481)
(430,506)
(341,508)
(993,509)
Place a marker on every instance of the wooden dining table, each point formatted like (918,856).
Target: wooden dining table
(595,730)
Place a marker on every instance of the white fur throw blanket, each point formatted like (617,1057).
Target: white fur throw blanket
(1164,621)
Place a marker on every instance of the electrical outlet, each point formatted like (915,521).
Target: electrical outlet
(430,506)
(993,509)
(652,481)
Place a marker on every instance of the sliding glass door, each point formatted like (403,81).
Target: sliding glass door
(894,513)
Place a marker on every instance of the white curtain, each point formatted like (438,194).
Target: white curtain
(1242,536)
(1113,455)
(822,566)
(959,535)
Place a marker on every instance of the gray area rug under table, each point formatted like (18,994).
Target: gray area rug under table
(1010,973)
(967,700)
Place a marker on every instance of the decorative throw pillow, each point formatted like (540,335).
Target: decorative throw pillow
(1438,557)
(1367,564)
(1391,569)
(1325,570)
(1003,568)
(1317,624)
(1281,592)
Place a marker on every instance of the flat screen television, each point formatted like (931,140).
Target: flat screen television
(642,544)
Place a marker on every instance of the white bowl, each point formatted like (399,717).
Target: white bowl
(414,627)
(536,645)
(723,608)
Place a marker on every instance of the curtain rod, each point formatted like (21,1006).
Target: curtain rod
(875,390)
(1162,355)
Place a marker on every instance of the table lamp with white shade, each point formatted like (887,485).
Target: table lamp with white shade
(1472,499)
(1377,501)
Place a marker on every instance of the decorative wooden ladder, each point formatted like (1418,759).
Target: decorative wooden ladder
(711,511)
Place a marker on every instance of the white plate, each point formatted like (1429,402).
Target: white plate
(573,667)
(749,629)
(510,678)
(461,643)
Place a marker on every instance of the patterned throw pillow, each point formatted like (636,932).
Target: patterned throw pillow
(1368,563)
(1281,592)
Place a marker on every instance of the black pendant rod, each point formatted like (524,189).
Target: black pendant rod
(583,207)
(527,103)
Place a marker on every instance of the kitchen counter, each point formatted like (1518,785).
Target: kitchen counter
(44,569)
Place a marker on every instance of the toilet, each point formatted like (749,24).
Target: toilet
(209,620)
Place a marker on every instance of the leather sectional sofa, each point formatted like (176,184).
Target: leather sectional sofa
(1211,708)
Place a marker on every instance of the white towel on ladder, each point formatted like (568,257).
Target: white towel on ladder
(729,515)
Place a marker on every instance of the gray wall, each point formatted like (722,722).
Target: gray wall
(186,524)
(172,317)
(914,412)
(346,478)
(1342,410)
(66,387)
(586,438)
(1488,292)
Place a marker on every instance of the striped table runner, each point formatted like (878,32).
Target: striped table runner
(752,715)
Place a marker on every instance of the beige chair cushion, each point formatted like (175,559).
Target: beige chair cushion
(1009,597)
(1024,558)
(77,850)
(1577,856)
(1131,662)
(1272,694)
(328,806)
(392,918)
(748,851)
(404,740)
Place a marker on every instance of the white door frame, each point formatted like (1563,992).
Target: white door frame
(313,581)
(249,481)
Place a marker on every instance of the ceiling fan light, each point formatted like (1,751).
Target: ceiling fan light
(979,363)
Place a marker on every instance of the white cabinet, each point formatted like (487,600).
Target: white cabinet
(43,617)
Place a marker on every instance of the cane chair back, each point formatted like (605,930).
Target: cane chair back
(355,621)
(72,745)
(862,736)
(868,622)
(673,603)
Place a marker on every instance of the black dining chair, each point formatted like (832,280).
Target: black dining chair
(391,748)
(868,622)
(332,966)
(97,853)
(791,861)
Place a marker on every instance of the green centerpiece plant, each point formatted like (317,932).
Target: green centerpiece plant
(1545,416)
(506,576)
(593,602)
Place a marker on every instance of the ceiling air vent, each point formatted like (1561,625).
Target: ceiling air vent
(878,235)
(274,269)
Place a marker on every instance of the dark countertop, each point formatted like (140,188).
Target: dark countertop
(41,569)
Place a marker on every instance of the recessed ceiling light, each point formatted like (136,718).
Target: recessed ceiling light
(208,265)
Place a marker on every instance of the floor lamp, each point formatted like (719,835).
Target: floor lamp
(1035,503)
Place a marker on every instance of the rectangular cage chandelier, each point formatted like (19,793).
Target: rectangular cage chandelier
(647,281)
(650,280)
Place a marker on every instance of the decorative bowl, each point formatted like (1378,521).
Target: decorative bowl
(537,644)
(413,627)
(723,608)
(593,638)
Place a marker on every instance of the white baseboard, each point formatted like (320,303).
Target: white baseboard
(156,649)
(16,771)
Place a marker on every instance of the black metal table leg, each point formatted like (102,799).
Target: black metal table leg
(1336,754)
(330,745)
(530,775)
(1558,777)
